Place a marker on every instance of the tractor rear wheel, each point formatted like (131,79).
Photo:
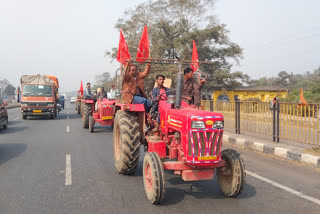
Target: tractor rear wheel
(126,142)
(85,115)
(78,107)
(232,177)
(153,178)
(91,124)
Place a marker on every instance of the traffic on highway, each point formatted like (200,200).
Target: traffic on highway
(171,129)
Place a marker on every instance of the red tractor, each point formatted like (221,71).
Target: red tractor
(188,143)
(103,114)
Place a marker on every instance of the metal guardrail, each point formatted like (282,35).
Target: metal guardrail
(289,121)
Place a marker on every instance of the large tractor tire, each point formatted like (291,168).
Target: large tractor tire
(153,178)
(126,142)
(232,177)
(78,107)
(81,108)
(85,115)
(91,124)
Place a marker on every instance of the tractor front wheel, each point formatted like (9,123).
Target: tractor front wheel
(126,142)
(153,178)
(85,115)
(91,124)
(232,177)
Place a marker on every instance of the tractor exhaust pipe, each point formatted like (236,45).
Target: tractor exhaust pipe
(179,88)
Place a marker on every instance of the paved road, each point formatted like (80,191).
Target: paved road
(33,176)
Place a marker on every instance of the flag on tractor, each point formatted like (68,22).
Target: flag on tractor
(81,88)
(194,65)
(302,101)
(123,50)
(144,48)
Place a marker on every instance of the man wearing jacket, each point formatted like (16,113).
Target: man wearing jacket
(158,91)
(133,87)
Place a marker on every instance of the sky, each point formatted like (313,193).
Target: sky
(68,38)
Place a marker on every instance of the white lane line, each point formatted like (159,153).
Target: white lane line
(288,189)
(68,170)
(68,129)
(17,118)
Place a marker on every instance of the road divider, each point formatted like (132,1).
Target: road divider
(68,170)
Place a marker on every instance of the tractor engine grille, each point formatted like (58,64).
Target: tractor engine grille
(108,111)
(204,142)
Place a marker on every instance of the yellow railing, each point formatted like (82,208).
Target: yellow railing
(296,123)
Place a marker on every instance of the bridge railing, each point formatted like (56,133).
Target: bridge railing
(289,121)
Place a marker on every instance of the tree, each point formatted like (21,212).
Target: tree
(101,79)
(9,90)
(172,25)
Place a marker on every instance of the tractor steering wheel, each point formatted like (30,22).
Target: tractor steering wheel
(163,95)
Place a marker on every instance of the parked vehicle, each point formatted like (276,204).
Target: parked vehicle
(3,114)
(39,95)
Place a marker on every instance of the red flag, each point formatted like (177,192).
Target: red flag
(143,49)
(195,65)
(81,88)
(302,101)
(123,50)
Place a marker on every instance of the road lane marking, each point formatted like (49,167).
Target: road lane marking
(288,189)
(68,129)
(17,118)
(68,170)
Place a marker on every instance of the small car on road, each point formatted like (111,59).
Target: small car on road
(3,114)
(73,99)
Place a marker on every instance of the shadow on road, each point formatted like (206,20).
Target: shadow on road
(99,129)
(12,130)
(9,151)
(176,187)
(14,122)
(199,190)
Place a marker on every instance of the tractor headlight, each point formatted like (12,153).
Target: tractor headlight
(24,104)
(218,124)
(104,106)
(198,125)
(51,104)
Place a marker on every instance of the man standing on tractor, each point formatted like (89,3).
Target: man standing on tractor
(133,87)
(191,93)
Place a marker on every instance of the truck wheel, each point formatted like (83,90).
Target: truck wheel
(24,117)
(153,178)
(91,124)
(85,116)
(232,177)
(126,142)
